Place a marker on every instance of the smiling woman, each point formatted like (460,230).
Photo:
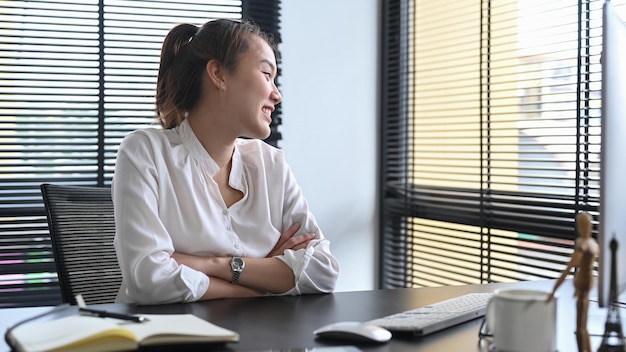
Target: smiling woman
(77,77)
(200,212)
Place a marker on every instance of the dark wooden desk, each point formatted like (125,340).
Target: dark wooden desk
(275,323)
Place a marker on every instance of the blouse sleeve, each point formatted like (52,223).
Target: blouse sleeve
(143,244)
(315,268)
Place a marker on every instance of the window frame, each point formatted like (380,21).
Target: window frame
(489,210)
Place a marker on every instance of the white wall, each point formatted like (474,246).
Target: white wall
(329,86)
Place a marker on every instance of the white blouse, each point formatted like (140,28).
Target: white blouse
(166,200)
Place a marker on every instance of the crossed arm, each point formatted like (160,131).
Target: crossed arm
(261,275)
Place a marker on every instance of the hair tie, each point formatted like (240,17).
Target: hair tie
(191,34)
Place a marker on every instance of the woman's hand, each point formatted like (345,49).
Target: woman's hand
(288,241)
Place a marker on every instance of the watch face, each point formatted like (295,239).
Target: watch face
(237,263)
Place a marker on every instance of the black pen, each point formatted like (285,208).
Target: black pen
(105,314)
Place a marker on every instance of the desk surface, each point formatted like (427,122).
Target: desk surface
(275,323)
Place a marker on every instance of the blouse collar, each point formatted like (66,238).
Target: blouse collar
(197,151)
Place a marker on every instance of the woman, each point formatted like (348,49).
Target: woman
(200,212)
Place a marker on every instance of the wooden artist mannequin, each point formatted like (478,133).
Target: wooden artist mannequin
(585,252)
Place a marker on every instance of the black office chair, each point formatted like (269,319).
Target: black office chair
(82,228)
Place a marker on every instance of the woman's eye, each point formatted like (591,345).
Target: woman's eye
(268,74)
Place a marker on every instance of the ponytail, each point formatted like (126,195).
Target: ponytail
(174,91)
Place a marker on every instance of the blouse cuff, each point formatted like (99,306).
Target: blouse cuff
(298,261)
(196,283)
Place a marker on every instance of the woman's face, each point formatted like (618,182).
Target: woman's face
(251,93)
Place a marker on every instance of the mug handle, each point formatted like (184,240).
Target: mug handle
(490,316)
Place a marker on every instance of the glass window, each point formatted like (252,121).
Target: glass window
(491,115)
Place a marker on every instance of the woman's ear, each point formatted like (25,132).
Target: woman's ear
(215,71)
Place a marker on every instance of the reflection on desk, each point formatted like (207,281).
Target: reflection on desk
(287,323)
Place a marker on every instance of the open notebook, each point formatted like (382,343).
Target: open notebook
(85,333)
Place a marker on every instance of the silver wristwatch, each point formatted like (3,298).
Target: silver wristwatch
(236,264)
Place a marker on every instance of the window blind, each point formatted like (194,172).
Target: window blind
(76,77)
(490,138)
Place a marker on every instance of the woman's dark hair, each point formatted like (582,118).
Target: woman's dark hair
(184,55)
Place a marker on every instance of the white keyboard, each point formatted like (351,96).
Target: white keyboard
(437,316)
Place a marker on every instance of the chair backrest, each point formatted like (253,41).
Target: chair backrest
(82,228)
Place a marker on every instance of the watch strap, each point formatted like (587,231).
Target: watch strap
(237,264)
(235,279)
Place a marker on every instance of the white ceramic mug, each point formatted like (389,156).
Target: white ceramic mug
(522,321)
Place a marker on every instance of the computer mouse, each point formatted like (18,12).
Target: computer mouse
(353,331)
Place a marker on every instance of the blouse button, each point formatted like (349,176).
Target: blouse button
(228,228)
(225,212)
